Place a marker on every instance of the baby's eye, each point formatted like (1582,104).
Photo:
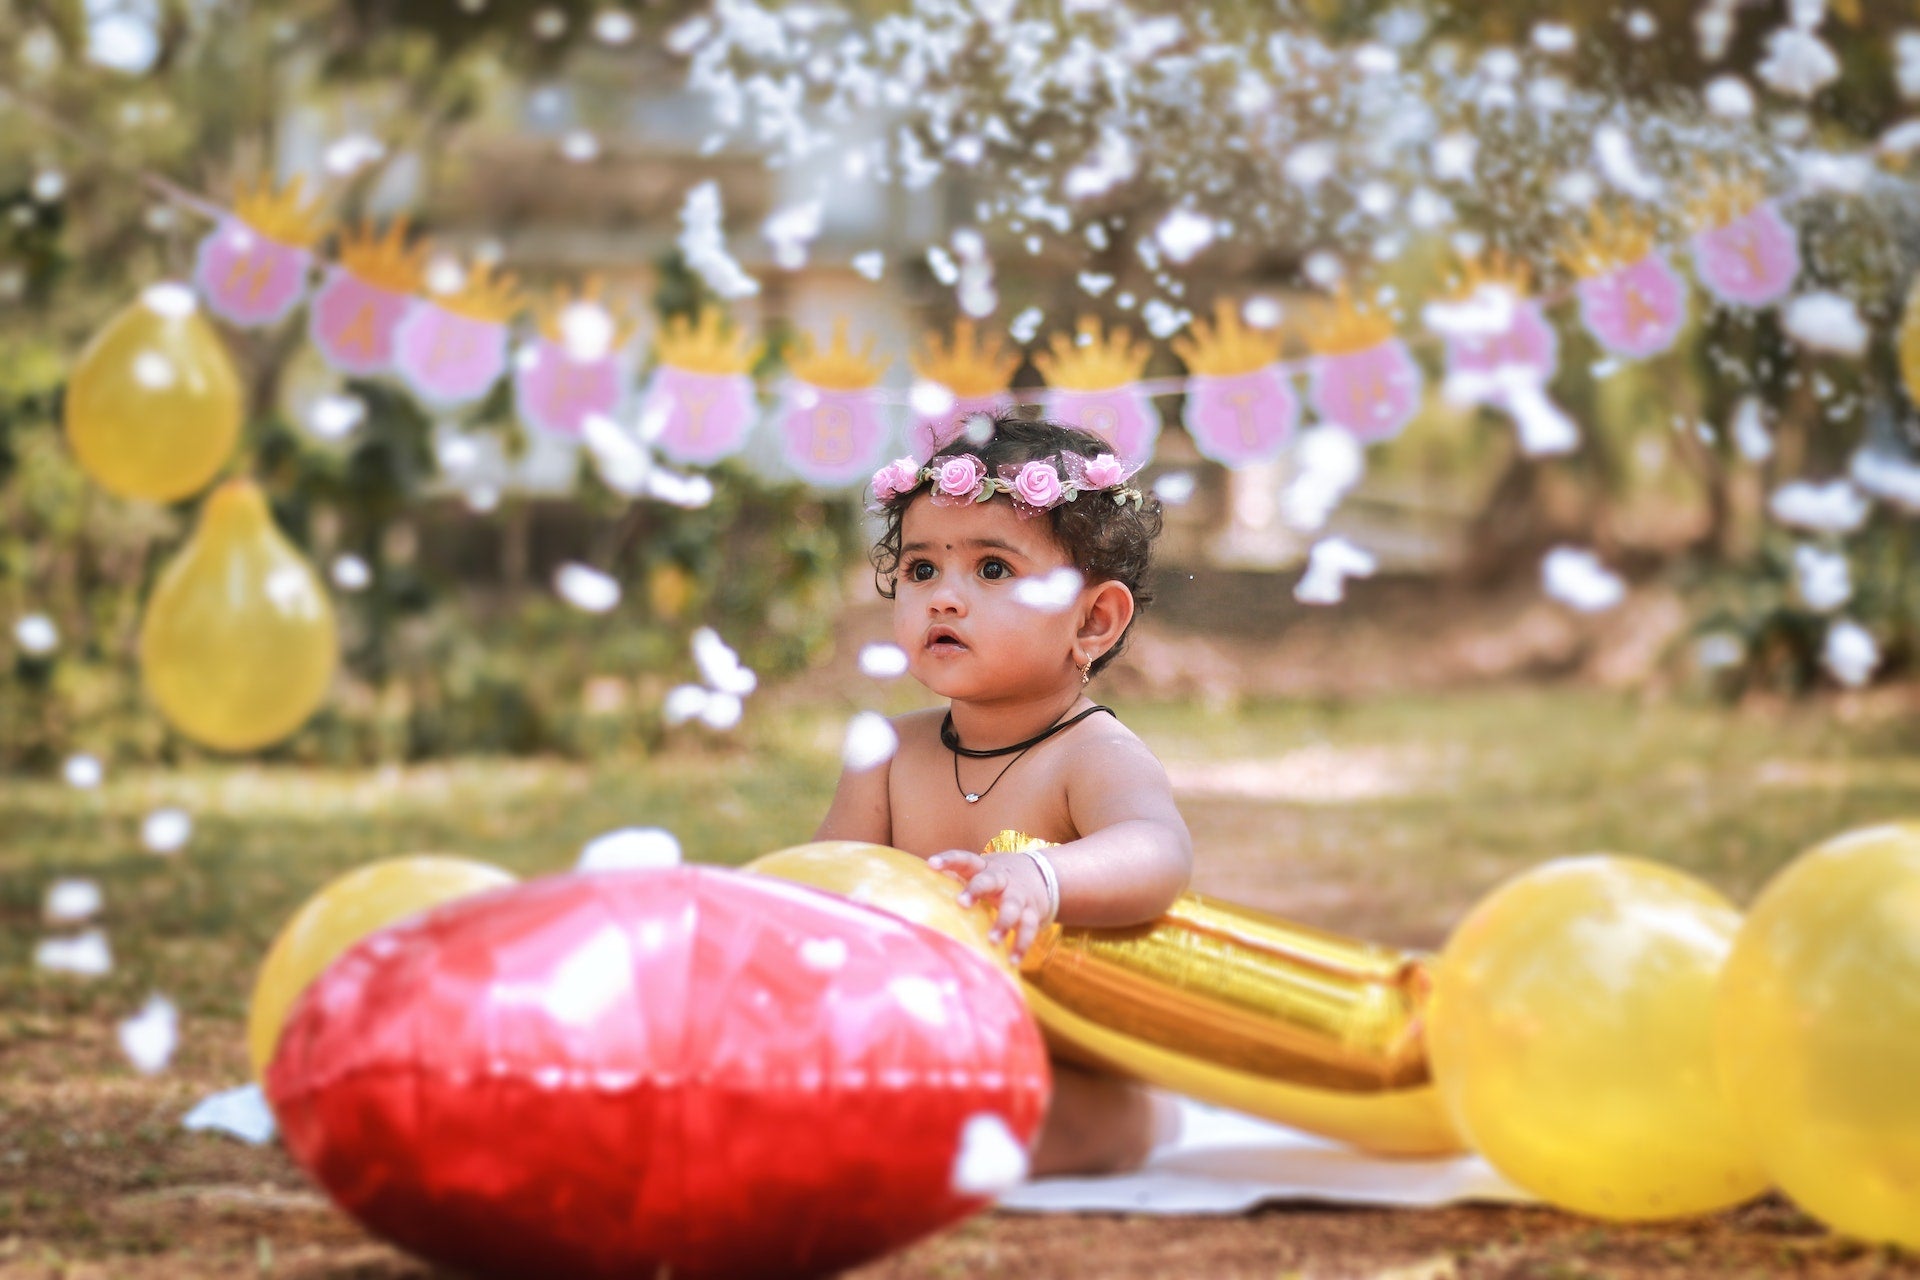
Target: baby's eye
(995,570)
(920,571)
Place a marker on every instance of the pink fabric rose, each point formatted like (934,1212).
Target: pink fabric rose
(896,478)
(1037,484)
(957,479)
(1104,471)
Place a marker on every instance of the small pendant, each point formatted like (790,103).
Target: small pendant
(972,798)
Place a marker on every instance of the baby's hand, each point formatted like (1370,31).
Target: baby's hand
(1010,877)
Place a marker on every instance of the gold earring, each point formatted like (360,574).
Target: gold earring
(1086,672)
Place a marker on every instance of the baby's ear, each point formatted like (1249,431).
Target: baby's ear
(1106,613)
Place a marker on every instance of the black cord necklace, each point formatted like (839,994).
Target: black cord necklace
(950,739)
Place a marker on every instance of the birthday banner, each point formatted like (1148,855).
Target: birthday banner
(378,312)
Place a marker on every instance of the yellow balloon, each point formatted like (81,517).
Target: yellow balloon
(1818,1027)
(1572,1039)
(238,644)
(347,910)
(153,404)
(890,879)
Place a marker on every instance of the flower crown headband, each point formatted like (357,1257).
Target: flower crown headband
(1040,484)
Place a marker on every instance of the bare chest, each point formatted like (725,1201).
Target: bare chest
(930,811)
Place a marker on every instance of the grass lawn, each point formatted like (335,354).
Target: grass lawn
(1382,818)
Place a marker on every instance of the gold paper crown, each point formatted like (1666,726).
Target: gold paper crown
(1723,198)
(706,344)
(837,368)
(1606,245)
(1229,347)
(385,261)
(1091,361)
(1342,325)
(484,296)
(550,316)
(279,215)
(1494,271)
(968,366)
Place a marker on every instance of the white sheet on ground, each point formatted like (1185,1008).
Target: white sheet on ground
(1225,1163)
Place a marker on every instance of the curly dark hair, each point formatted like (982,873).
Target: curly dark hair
(1107,541)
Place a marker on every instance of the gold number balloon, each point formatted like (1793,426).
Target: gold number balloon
(238,644)
(1818,1025)
(1223,1004)
(347,910)
(1572,1039)
(153,404)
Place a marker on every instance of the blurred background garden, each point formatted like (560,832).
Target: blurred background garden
(1650,597)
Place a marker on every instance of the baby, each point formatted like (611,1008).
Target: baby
(1015,568)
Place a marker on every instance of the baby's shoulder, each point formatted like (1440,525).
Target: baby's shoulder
(1106,741)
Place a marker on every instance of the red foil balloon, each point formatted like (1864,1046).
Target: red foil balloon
(608,1074)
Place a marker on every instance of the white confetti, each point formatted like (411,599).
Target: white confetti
(1826,321)
(586,588)
(1797,64)
(989,1160)
(332,417)
(870,263)
(883,661)
(1833,507)
(72,901)
(870,742)
(150,1036)
(1749,430)
(1329,462)
(1730,98)
(1719,650)
(1184,233)
(684,702)
(350,573)
(1552,37)
(1175,488)
(125,36)
(1331,562)
(1888,476)
(1850,654)
(85,955)
(722,712)
(1822,578)
(1025,326)
(630,849)
(1053,592)
(703,244)
(1613,152)
(82,772)
(1576,578)
(587,330)
(346,156)
(720,665)
(36,634)
(166,831)
(240,1113)
(791,230)
(613,26)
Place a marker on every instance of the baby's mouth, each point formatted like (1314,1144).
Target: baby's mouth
(945,642)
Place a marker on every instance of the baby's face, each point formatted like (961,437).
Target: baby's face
(970,627)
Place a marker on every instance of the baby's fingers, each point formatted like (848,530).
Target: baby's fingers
(958,863)
(989,883)
(1029,930)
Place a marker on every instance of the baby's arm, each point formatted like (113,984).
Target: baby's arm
(860,809)
(1134,861)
